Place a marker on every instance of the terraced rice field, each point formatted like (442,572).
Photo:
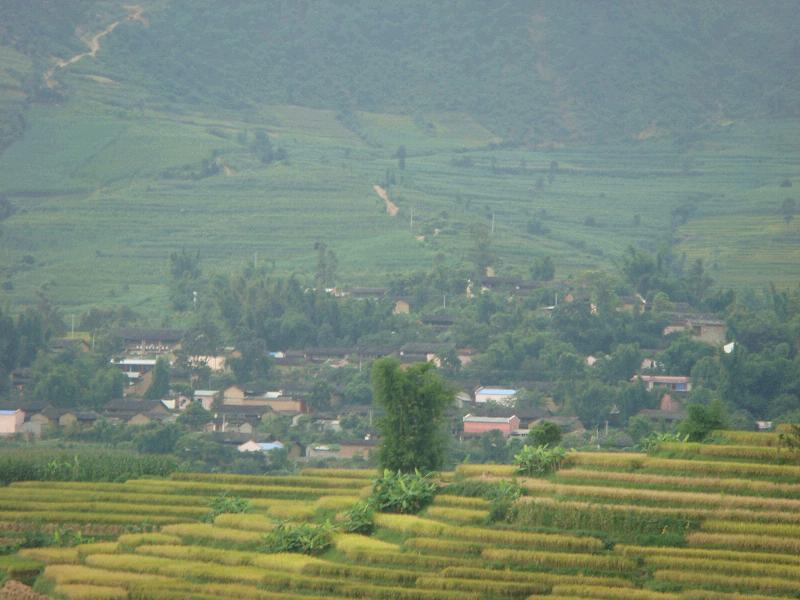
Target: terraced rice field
(724,526)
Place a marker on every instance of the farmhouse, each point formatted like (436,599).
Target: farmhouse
(673,383)
(702,328)
(474,425)
(424,352)
(206,397)
(504,396)
(150,341)
(253,446)
(134,368)
(135,412)
(11,421)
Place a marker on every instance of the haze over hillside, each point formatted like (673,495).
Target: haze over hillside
(137,126)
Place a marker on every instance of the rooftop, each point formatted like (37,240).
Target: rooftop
(496,391)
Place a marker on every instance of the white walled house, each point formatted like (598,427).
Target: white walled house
(504,396)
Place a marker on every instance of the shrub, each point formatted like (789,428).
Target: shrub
(360,518)
(224,503)
(406,493)
(304,538)
(539,460)
(503,496)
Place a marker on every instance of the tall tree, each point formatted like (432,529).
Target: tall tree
(412,429)
(159,388)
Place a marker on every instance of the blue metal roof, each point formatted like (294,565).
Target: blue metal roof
(267,446)
(498,391)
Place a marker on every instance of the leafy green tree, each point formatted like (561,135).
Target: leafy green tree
(544,434)
(159,387)
(414,399)
(158,439)
(702,419)
(639,427)
(194,417)
(106,385)
(543,269)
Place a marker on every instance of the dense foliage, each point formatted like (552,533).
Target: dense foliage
(539,460)
(80,465)
(306,538)
(402,492)
(414,399)
(556,71)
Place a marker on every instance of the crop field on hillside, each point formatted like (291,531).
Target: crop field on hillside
(109,181)
(607,526)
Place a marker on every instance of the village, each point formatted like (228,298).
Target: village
(311,420)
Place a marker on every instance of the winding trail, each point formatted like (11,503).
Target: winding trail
(93,44)
(391,207)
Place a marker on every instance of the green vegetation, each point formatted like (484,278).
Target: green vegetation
(402,492)
(80,465)
(150,136)
(414,399)
(629,541)
(539,460)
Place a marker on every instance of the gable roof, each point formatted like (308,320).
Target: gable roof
(470,418)
(137,334)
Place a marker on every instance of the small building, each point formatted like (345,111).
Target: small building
(633,304)
(352,449)
(439,321)
(150,341)
(206,397)
(474,425)
(672,383)
(233,395)
(286,405)
(504,396)
(215,363)
(134,368)
(702,328)
(253,446)
(135,412)
(11,421)
(424,352)
(63,344)
(402,306)
(368,293)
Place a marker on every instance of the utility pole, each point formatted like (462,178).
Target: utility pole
(492,222)
(411,226)
(444,301)
(255,260)
(72,334)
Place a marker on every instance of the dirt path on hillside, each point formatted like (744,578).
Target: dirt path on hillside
(391,207)
(93,44)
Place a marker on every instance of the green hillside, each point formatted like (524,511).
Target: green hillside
(534,115)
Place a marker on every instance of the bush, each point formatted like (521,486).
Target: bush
(545,434)
(305,538)
(503,496)
(226,504)
(539,460)
(359,519)
(406,493)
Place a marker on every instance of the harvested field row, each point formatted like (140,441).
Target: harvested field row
(706,484)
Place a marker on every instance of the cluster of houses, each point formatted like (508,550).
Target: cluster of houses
(237,412)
